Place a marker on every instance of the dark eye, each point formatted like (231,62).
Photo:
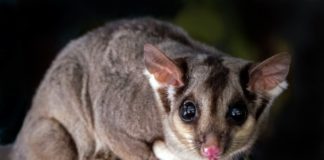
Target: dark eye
(188,111)
(237,113)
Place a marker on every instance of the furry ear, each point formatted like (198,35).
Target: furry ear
(269,76)
(164,70)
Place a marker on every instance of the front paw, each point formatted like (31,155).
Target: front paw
(162,152)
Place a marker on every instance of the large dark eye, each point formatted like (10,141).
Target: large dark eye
(188,111)
(237,113)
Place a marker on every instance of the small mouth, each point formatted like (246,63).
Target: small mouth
(214,157)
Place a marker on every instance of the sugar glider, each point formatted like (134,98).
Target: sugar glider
(142,89)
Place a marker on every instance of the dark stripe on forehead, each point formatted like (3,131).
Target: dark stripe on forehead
(244,80)
(261,107)
(183,65)
(164,99)
(216,81)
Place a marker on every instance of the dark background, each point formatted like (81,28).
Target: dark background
(33,32)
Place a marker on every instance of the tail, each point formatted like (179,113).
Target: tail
(5,151)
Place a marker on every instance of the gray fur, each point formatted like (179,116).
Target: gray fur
(95,101)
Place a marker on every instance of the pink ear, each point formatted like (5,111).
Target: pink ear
(270,73)
(164,70)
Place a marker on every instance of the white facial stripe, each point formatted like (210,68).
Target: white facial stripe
(171,92)
(278,89)
(153,82)
(155,86)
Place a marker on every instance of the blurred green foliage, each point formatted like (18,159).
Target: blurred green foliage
(202,22)
(205,20)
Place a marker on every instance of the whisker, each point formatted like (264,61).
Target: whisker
(189,149)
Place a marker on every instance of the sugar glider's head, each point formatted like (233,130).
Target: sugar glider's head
(211,105)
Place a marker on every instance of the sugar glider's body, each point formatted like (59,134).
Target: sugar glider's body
(95,99)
